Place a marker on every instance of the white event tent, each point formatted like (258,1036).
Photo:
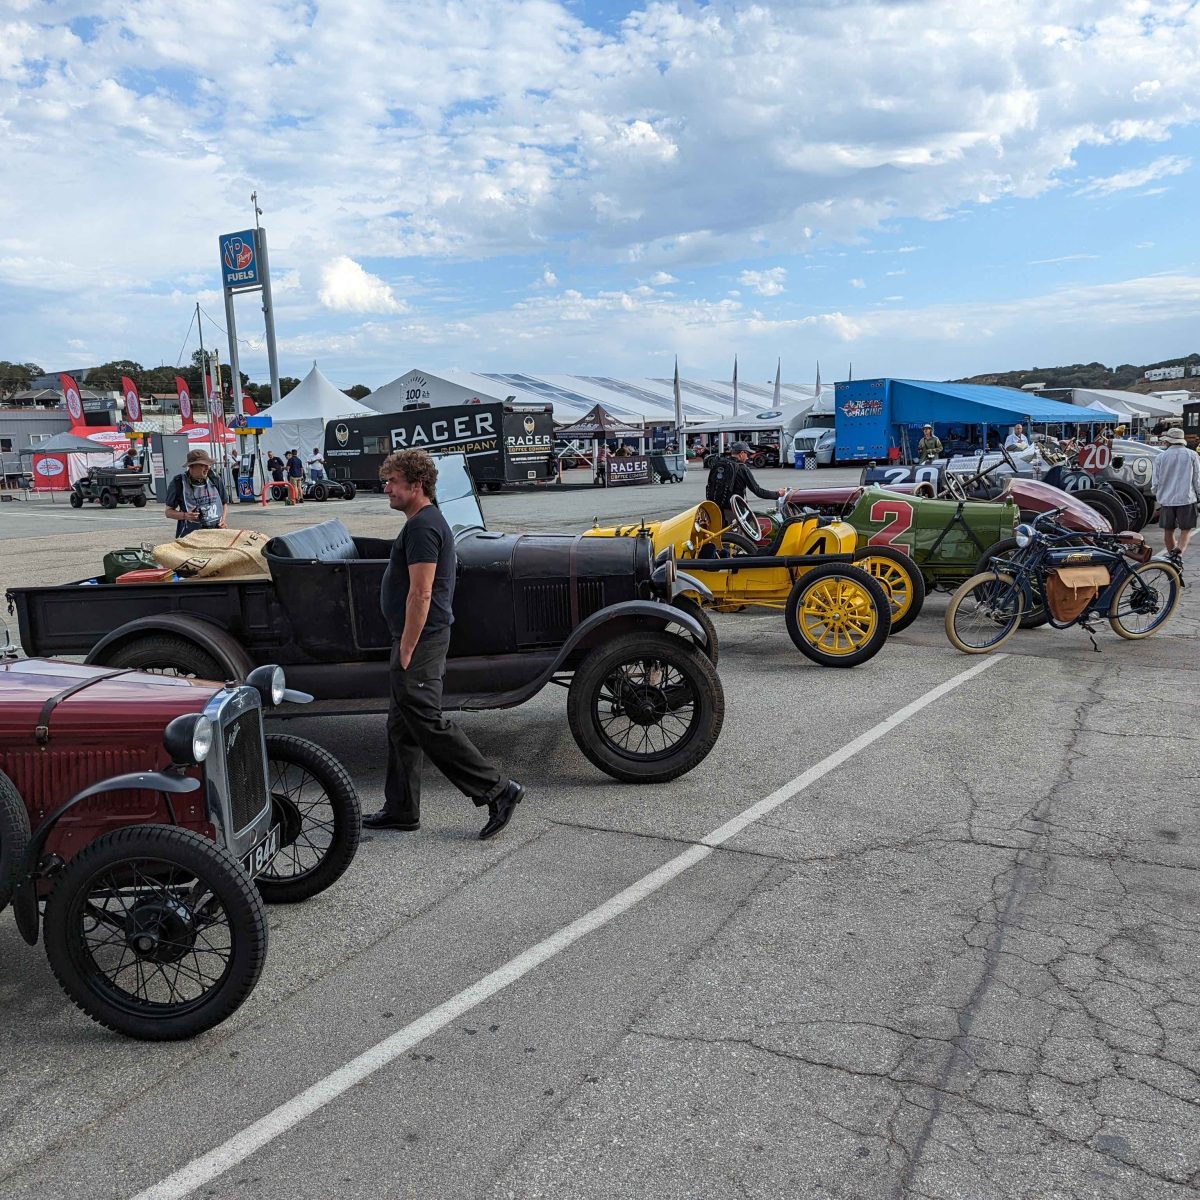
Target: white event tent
(1126,403)
(298,420)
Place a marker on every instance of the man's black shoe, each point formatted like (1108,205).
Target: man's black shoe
(385,820)
(500,810)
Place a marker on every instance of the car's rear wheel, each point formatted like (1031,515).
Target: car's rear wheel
(139,501)
(349,491)
(739,543)
(156,932)
(837,615)
(1137,508)
(107,499)
(1106,504)
(315,803)
(76,500)
(166,655)
(1036,615)
(646,707)
(318,491)
(14,837)
(900,579)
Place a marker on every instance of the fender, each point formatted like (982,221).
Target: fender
(634,611)
(25,904)
(685,583)
(216,641)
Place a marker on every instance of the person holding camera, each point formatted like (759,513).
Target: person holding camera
(196,497)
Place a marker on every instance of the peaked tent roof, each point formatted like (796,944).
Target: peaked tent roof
(67,443)
(598,424)
(917,400)
(1122,401)
(768,419)
(315,398)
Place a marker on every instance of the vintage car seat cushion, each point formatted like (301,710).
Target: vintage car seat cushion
(328,542)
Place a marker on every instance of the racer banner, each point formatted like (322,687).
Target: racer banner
(619,472)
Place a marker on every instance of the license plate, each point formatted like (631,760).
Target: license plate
(256,859)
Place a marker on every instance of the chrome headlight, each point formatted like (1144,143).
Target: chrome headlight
(1024,535)
(188,739)
(270,683)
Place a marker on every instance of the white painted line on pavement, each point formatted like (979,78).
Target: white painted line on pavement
(216,1162)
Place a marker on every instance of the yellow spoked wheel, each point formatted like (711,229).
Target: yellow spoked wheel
(900,578)
(838,615)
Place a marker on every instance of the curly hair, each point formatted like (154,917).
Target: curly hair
(416,466)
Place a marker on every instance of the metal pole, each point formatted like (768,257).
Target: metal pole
(235,369)
(260,235)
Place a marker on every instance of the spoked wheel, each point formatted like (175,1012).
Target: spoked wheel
(739,543)
(1035,615)
(156,932)
(320,820)
(1146,601)
(14,837)
(984,613)
(646,707)
(166,655)
(837,615)
(1137,510)
(688,605)
(900,578)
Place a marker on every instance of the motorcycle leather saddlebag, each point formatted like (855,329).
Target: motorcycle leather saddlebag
(1069,590)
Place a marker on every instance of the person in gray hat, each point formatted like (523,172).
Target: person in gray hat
(730,476)
(1175,481)
(195,497)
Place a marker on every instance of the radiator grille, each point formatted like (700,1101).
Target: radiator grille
(45,778)
(548,605)
(591,596)
(244,768)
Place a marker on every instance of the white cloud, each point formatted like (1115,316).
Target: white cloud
(857,283)
(346,287)
(1160,168)
(1041,262)
(765,283)
(661,278)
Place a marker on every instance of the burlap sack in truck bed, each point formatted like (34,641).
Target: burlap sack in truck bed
(215,554)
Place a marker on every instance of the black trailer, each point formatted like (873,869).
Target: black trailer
(503,443)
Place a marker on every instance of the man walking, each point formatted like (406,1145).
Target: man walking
(417,598)
(929,447)
(1175,480)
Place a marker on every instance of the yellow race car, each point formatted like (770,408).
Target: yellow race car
(836,613)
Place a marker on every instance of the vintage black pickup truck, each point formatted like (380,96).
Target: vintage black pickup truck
(595,615)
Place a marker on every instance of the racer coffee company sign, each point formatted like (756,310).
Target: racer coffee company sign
(621,471)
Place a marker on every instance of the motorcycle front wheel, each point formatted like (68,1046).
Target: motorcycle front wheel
(984,613)
(1146,600)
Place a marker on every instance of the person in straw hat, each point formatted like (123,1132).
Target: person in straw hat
(1175,481)
(196,497)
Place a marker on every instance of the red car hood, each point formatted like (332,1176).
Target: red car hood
(1035,496)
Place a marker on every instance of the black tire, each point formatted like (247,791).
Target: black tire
(1031,618)
(139,501)
(688,605)
(349,491)
(280,491)
(983,613)
(165,882)
(607,678)
(758,462)
(14,837)
(1137,508)
(321,819)
(318,492)
(1106,504)
(1151,591)
(739,543)
(76,500)
(900,578)
(866,629)
(107,499)
(164,654)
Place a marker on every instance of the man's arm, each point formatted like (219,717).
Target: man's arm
(752,483)
(173,499)
(416,610)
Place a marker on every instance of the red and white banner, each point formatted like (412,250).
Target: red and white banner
(50,473)
(185,400)
(74,400)
(249,408)
(133,402)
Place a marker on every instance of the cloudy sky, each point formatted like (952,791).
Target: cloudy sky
(923,188)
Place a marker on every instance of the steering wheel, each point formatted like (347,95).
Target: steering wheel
(1008,458)
(955,486)
(745,520)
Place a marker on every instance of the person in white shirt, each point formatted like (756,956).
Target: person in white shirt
(1175,481)
(316,465)
(1017,439)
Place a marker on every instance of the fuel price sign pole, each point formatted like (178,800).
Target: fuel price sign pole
(245,268)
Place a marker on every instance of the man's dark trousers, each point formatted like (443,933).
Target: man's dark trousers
(417,728)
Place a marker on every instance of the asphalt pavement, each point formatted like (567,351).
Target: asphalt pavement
(923,928)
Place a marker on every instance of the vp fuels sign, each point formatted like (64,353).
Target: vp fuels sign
(239,259)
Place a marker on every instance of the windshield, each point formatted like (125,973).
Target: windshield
(818,421)
(456,494)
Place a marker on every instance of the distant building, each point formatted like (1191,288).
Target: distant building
(1164,373)
(1033,387)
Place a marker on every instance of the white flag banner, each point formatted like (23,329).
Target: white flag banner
(735,395)
(775,400)
(678,398)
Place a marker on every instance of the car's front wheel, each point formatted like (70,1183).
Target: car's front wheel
(646,707)
(14,837)
(156,932)
(76,500)
(838,615)
(317,808)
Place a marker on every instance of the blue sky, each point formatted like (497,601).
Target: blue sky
(922,189)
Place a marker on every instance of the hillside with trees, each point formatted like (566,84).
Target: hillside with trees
(1127,377)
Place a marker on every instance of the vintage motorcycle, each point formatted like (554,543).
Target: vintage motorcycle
(1113,576)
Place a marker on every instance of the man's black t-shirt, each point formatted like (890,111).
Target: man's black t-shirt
(425,538)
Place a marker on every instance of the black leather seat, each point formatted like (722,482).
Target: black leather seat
(328,542)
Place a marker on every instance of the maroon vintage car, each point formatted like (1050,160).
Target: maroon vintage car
(1031,497)
(143,820)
